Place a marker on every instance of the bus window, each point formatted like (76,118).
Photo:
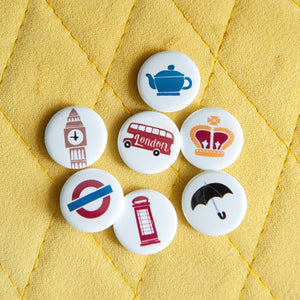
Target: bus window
(155,131)
(148,129)
(162,133)
(169,135)
(142,127)
(134,126)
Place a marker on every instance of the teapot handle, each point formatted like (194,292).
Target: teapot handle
(190,83)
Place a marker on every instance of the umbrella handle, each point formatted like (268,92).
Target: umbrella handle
(222,215)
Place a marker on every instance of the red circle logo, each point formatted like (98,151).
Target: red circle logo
(94,213)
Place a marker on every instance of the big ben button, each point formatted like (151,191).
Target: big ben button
(149,142)
(212,138)
(75,137)
(148,222)
(91,200)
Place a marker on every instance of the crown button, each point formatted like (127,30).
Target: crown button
(212,139)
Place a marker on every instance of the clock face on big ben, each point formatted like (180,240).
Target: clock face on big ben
(75,137)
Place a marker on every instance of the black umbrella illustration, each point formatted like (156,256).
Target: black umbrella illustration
(208,192)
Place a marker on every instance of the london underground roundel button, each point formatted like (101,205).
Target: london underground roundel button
(149,142)
(214,203)
(91,200)
(212,138)
(75,137)
(168,81)
(148,222)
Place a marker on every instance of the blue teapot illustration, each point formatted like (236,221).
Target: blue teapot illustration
(169,82)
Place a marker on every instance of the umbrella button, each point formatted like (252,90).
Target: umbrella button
(214,203)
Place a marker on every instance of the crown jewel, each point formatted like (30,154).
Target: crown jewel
(211,140)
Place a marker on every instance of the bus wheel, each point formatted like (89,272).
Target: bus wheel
(127,144)
(156,152)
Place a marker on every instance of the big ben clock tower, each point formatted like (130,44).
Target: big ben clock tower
(75,140)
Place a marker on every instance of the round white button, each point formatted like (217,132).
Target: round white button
(91,200)
(214,203)
(149,142)
(148,222)
(212,139)
(168,81)
(75,137)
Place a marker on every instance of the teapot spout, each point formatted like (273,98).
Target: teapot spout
(151,81)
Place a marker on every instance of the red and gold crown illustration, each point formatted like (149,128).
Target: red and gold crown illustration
(211,140)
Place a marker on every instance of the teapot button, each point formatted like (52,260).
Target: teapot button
(149,142)
(212,138)
(168,81)
(147,224)
(214,203)
(75,137)
(91,200)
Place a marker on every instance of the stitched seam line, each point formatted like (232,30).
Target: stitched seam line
(296,3)
(250,268)
(270,208)
(38,256)
(253,105)
(113,59)
(141,278)
(217,57)
(11,281)
(15,42)
(232,79)
(75,39)
(112,262)
(188,21)
(26,145)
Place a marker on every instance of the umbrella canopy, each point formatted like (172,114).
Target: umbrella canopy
(209,191)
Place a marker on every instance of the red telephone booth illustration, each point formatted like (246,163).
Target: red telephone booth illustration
(144,220)
(150,138)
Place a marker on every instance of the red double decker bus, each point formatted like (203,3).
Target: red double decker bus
(150,138)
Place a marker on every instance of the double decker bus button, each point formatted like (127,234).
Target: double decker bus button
(147,224)
(149,142)
(75,137)
(168,81)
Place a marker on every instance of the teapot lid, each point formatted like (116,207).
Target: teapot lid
(169,72)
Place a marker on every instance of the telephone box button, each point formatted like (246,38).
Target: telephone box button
(148,222)
(75,137)
(149,142)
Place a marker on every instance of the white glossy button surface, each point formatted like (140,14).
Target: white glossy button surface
(148,222)
(75,137)
(168,81)
(91,200)
(149,142)
(212,139)
(214,203)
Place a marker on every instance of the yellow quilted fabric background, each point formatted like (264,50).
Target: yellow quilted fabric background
(56,53)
